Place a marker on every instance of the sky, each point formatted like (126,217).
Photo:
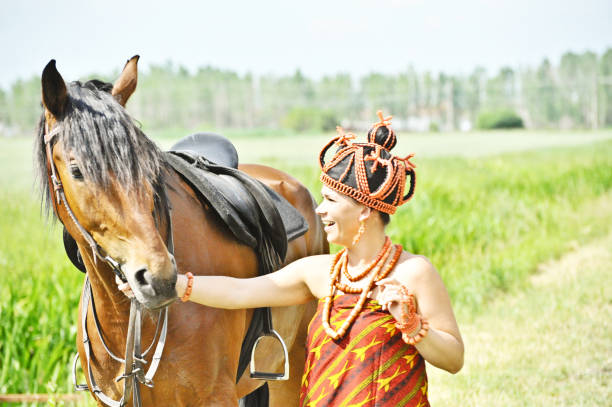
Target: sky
(279,36)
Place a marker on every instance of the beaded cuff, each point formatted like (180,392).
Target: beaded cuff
(410,319)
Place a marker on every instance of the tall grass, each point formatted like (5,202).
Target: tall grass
(39,300)
(484,222)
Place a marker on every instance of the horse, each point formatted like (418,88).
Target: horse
(118,190)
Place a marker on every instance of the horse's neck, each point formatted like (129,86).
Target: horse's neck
(108,299)
(203,244)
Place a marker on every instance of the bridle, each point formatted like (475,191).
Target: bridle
(134,359)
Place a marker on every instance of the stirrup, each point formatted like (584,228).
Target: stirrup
(265,375)
(77,387)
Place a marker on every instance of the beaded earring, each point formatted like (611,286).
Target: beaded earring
(359,233)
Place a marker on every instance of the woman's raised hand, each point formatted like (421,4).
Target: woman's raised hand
(389,292)
(402,305)
(391,296)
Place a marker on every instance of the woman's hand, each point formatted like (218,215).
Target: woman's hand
(393,300)
(389,293)
(181,283)
(124,287)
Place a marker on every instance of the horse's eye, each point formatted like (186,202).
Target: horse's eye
(75,171)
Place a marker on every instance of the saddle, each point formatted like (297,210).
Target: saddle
(255,214)
(251,210)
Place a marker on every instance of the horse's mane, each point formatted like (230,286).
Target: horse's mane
(99,133)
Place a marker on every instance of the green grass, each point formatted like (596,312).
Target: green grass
(547,345)
(40,293)
(486,222)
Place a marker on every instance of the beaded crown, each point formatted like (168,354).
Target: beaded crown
(368,172)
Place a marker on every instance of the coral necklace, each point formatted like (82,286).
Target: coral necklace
(367,270)
(340,263)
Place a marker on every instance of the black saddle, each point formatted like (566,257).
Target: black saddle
(257,216)
(248,207)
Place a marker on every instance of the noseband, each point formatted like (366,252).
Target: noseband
(134,359)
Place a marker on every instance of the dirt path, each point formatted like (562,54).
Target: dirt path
(548,345)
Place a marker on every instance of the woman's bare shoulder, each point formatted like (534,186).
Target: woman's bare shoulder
(310,267)
(314,271)
(414,267)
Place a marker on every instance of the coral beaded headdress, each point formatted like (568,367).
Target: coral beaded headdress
(368,172)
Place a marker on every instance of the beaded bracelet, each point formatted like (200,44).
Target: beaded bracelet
(187,293)
(411,320)
(413,340)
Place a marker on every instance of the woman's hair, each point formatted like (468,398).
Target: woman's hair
(384,217)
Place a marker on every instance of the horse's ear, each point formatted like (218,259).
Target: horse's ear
(126,84)
(54,94)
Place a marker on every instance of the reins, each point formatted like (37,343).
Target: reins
(134,357)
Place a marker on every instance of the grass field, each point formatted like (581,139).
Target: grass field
(548,345)
(485,219)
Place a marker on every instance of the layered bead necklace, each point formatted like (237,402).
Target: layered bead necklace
(339,264)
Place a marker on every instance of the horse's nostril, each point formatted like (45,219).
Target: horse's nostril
(140,276)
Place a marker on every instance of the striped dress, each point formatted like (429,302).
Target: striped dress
(371,366)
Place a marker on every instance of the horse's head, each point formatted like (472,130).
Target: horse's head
(112,177)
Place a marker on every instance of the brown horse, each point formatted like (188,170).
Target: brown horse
(117,185)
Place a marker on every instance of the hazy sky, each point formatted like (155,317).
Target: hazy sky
(274,36)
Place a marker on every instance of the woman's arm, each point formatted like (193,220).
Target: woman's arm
(442,346)
(284,287)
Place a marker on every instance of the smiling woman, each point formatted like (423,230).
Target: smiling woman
(382,311)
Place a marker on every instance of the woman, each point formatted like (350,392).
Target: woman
(382,311)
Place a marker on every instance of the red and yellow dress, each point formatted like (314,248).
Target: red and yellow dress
(371,366)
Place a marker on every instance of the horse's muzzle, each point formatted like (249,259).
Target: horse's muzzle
(151,290)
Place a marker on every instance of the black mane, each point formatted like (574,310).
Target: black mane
(99,133)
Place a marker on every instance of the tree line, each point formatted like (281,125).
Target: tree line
(575,93)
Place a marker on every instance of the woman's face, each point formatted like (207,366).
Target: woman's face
(340,215)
